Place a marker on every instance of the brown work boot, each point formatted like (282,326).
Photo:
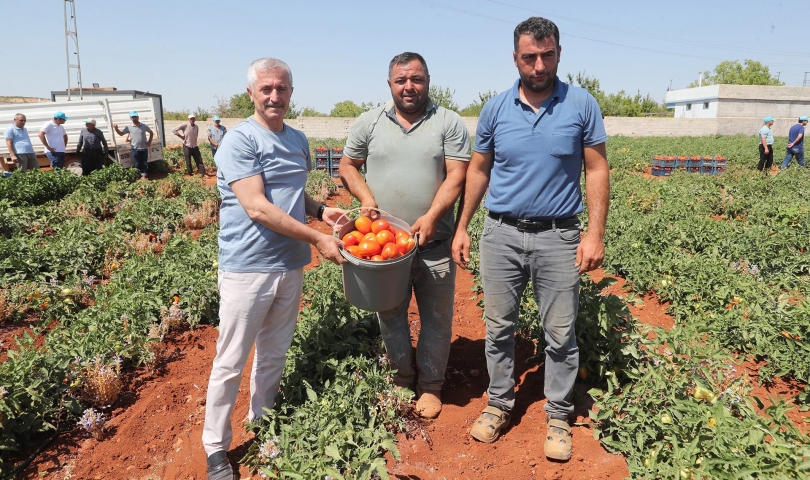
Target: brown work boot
(489,425)
(429,404)
(558,440)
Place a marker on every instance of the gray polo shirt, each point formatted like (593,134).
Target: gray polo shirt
(137,135)
(216,134)
(405,168)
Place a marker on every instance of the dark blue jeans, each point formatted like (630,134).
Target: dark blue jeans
(140,156)
(797,152)
(57,159)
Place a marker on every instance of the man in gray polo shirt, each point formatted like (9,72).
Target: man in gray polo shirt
(140,144)
(416,155)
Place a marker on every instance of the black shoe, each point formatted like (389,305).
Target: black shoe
(219,467)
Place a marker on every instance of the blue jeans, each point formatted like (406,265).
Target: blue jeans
(140,156)
(57,159)
(433,279)
(213,151)
(797,152)
(510,258)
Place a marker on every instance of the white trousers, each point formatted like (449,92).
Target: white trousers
(254,307)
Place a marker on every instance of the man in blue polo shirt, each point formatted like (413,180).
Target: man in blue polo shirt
(530,146)
(795,146)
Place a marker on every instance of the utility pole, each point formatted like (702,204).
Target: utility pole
(700,79)
(670,84)
(777,75)
(72,37)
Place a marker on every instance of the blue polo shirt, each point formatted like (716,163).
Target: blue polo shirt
(793,134)
(538,157)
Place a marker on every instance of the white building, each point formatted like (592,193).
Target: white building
(724,101)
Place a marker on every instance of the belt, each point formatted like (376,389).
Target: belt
(535,226)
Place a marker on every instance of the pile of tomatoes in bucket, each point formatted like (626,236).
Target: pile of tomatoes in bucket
(377,240)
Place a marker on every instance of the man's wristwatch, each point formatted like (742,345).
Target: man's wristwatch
(319,215)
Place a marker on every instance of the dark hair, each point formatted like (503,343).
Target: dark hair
(539,28)
(406,58)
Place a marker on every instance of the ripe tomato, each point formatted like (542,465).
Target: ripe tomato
(357,235)
(377,258)
(385,237)
(349,240)
(354,250)
(402,233)
(363,225)
(405,244)
(370,248)
(379,225)
(369,237)
(390,251)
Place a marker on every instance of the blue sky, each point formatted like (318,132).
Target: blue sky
(194,52)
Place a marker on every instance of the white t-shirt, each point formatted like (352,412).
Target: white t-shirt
(55,135)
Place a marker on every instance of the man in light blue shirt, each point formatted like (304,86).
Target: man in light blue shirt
(766,146)
(215,134)
(19,145)
(264,245)
(531,145)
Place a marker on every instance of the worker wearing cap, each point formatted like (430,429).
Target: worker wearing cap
(54,137)
(795,146)
(20,146)
(190,132)
(140,144)
(766,146)
(92,146)
(215,134)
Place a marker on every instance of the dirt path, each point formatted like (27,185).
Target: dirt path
(157,424)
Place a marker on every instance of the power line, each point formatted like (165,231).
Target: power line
(511,22)
(658,37)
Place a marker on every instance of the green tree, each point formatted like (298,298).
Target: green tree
(311,112)
(617,104)
(348,108)
(475,107)
(732,72)
(443,97)
(237,106)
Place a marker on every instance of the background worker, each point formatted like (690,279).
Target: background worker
(215,134)
(264,244)
(92,146)
(20,146)
(417,154)
(766,146)
(140,144)
(54,137)
(189,132)
(795,146)
(531,144)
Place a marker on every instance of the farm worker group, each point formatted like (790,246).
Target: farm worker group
(531,144)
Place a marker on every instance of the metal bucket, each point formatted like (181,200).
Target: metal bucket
(376,286)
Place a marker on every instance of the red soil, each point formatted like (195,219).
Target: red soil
(156,425)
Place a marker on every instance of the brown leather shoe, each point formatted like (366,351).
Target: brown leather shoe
(558,440)
(489,425)
(429,404)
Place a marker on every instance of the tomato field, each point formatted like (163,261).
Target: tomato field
(99,274)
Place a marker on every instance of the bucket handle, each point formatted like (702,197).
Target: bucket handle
(340,222)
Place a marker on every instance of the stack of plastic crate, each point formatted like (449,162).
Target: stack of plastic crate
(321,158)
(693,164)
(680,162)
(335,155)
(663,166)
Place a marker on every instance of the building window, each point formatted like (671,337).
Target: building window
(688,107)
(705,105)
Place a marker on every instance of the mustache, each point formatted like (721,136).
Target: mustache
(272,104)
